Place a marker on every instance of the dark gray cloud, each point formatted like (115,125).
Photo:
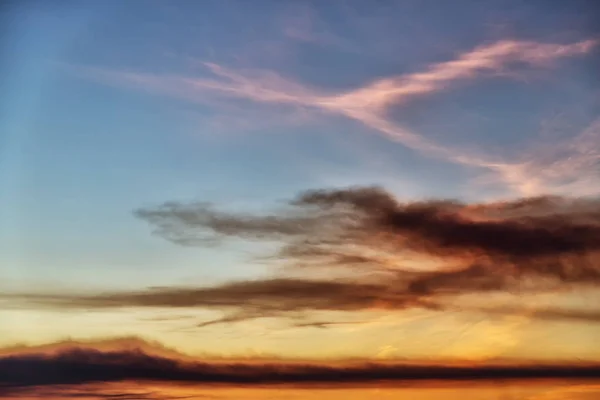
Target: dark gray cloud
(88,365)
(298,298)
(524,246)
(251,299)
(95,392)
(327,225)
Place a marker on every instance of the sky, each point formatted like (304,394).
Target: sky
(302,179)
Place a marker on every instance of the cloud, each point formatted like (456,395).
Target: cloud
(362,239)
(368,104)
(91,391)
(571,164)
(348,225)
(126,343)
(270,297)
(381,93)
(551,314)
(84,365)
(519,246)
(302,23)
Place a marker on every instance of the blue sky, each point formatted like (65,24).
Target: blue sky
(108,106)
(81,152)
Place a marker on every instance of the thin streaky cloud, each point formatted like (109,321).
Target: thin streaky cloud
(577,169)
(368,104)
(485,58)
(302,23)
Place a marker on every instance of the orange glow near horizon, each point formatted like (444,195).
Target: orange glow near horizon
(541,390)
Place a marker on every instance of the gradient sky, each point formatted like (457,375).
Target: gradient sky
(109,106)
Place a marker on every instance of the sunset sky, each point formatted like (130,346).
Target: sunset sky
(303,179)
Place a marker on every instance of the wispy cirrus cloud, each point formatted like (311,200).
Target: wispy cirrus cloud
(302,23)
(572,164)
(497,56)
(368,105)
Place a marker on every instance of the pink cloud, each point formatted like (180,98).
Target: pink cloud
(368,104)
